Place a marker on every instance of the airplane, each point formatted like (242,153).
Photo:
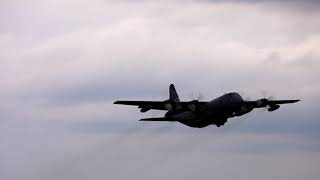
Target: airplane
(199,114)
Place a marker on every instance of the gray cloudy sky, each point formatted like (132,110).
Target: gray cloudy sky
(63,63)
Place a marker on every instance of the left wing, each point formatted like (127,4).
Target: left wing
(164,105)
(147,105)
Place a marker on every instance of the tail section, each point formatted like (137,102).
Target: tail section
(173,93)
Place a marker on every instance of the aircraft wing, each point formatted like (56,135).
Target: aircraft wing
(158,105)
(273,104)
(270,102)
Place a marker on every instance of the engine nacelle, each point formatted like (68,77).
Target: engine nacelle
(262,102)
(193,105)
(273,107)
(145,109)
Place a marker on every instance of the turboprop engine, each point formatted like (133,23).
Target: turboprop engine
(273,107)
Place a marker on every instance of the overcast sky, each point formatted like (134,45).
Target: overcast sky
(63,64)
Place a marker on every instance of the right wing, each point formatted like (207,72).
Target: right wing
(282,101)
(265,102)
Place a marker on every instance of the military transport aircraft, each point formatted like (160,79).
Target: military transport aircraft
(200,114)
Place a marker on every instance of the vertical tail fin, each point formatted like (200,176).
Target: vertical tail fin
(173,94)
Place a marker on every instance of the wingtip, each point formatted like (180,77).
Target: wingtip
(294,101)
(144,119)
(116,102)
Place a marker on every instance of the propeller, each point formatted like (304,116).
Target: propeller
(193,104)
(244,96)
(199,97)
(266,97)
(264,94)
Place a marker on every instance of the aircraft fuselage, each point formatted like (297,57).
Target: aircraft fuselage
(215,112)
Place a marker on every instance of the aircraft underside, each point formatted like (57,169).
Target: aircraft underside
(199,120)
(200,123)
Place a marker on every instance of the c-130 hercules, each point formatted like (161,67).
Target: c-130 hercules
(199,114)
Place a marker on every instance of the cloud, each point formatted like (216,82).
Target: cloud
(62,70)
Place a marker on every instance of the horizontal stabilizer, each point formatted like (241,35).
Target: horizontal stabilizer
(156,119)
(282,101)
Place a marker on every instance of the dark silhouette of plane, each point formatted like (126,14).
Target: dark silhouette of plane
(200,114)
